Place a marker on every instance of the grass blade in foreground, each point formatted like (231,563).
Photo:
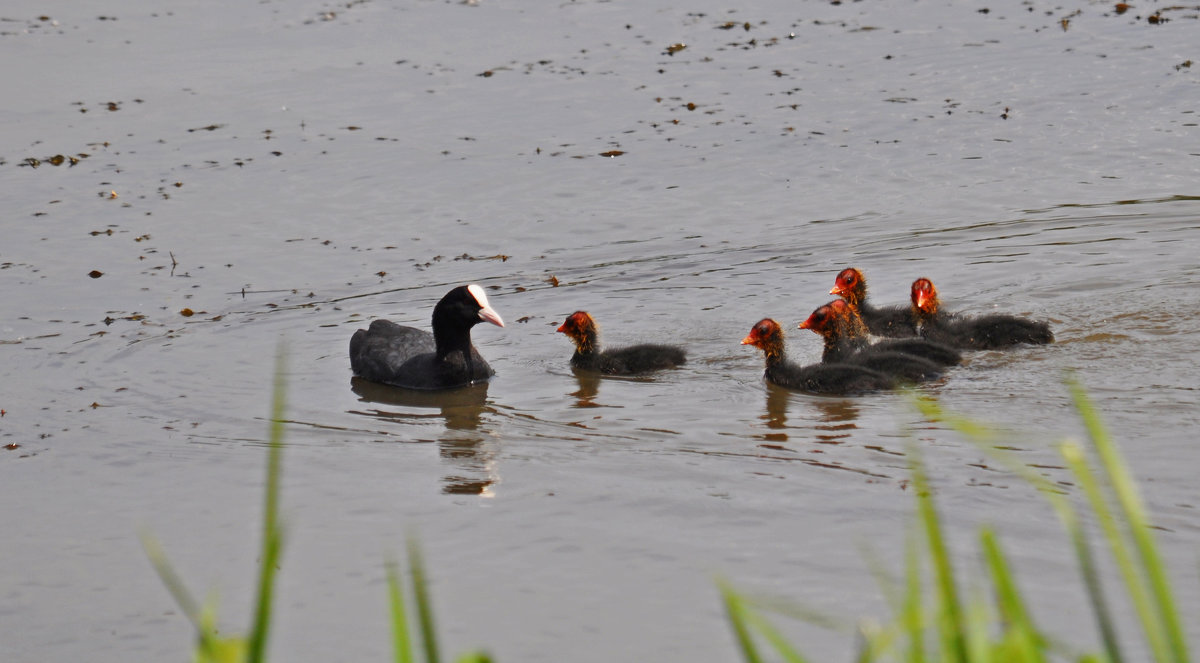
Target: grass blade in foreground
(984,439)
(211,648)
(745,620)
(981,631)
(424,605)
(401,640)
(272,531)
(950,619)
(1161,619)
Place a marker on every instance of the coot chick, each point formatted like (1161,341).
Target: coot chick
(834,324)
(895,321)
(856,336)
(406,357)
(581,328)
(837,379)
(986,332)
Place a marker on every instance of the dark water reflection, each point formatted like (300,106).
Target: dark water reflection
(589,386)
(834,425)
(837,423)
(462,442)
(461,408)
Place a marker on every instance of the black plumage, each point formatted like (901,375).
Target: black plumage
(581,328)
(987,332)
(892,321)
(845,340)
(403,356)
(835,379)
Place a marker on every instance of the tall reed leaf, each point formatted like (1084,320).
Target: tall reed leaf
(272,532)
(401,640)
(746,620)
(424,605)
(984,439)
(1022,635)
(1161,616)
(950,619)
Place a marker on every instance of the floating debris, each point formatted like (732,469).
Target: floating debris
(499,256)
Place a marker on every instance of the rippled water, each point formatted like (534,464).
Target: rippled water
(289,172)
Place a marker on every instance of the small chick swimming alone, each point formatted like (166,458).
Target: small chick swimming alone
(580,327)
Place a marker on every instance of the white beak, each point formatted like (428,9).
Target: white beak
(487,314)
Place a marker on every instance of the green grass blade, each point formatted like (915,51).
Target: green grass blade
(1095,589)
(474,657)
(174,584)
(401,640)
(1135,582)
(913,616)
(736,609)
(950,617)
(1023,635)
(424,604)
(212,648)
(978,618)
(1067,515)
(1134,514)
(272,532)
(773,636)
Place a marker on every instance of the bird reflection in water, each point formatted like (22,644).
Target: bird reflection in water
(470,450)
(837,419)
(834,426)
(589,387)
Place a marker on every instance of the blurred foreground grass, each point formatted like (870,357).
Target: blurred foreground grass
(211,647)
(940,626)
(934,625)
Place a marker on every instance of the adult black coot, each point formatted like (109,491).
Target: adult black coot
(834,323)
(406,357)
(893,321)
(986,332)
(580,327)
(836,379)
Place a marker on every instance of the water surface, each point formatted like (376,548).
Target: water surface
(288,172)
